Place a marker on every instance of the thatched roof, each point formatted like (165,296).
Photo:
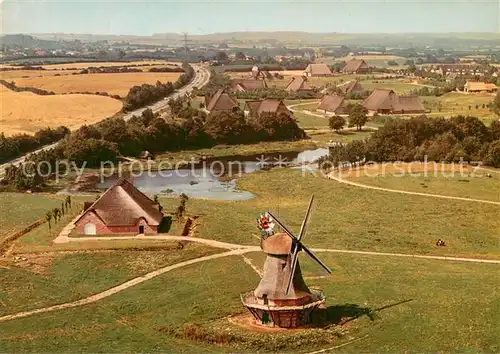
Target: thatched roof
(480,86)
(318,70)
(268,105)
(388,100)
(123,204)
(248,84)
(354,65)
(410,104)
(220,101)
(350,86)
(298,83)
(381,99)
(332,103)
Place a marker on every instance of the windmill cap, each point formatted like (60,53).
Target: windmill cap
(277,244)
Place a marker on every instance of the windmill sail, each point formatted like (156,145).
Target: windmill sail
(301,245)
(296,246)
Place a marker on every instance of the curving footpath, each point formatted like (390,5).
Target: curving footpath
(332,175)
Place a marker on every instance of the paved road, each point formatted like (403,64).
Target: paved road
(202,75)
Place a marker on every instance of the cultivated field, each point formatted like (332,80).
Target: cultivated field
(25,112)
(111,63)
(114,84)
(18,74)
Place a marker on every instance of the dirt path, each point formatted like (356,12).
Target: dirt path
(208,242)
(333,176)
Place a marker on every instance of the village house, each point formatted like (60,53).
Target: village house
(317,70)
(257,107)
(460,69)
(221,101)
(350,86)
(243,85)
(298,83)
(475,87)
(256,73)
(332,105)
(121,210)
(356,66)
(382,101)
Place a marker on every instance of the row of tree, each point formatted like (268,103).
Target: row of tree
(12,86)
(16,145)
(437,139)
(145,94)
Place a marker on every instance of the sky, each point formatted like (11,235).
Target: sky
(209,16)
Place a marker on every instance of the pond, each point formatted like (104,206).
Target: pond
(214,178)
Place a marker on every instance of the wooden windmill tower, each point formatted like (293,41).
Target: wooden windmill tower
(282,298)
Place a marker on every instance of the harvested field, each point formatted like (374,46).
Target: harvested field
(114,84)
(18,74)
(111,63)
(25,112)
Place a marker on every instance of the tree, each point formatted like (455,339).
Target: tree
(495,105)
(181,209)
(336,123)
(495,130)
(227,128)
(56,214)
(240,56)
(492,157)
(221,56)
(48,217)
(357,116)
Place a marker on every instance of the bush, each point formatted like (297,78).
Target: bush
(12,86)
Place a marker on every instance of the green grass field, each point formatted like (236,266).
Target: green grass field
(391,305)
(393,84)
(454,103)
(348,217)
(465,185)
(18,210)
(51,278)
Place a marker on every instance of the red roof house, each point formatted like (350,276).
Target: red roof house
(332,104)
(317,70)
(221,101)
(356,66)
(256,108)
(244,85)
(350,86)
(298,83)
(121,210)
(387,101)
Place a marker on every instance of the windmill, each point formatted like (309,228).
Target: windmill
(282,298)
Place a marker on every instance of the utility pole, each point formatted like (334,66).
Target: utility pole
(185,46)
